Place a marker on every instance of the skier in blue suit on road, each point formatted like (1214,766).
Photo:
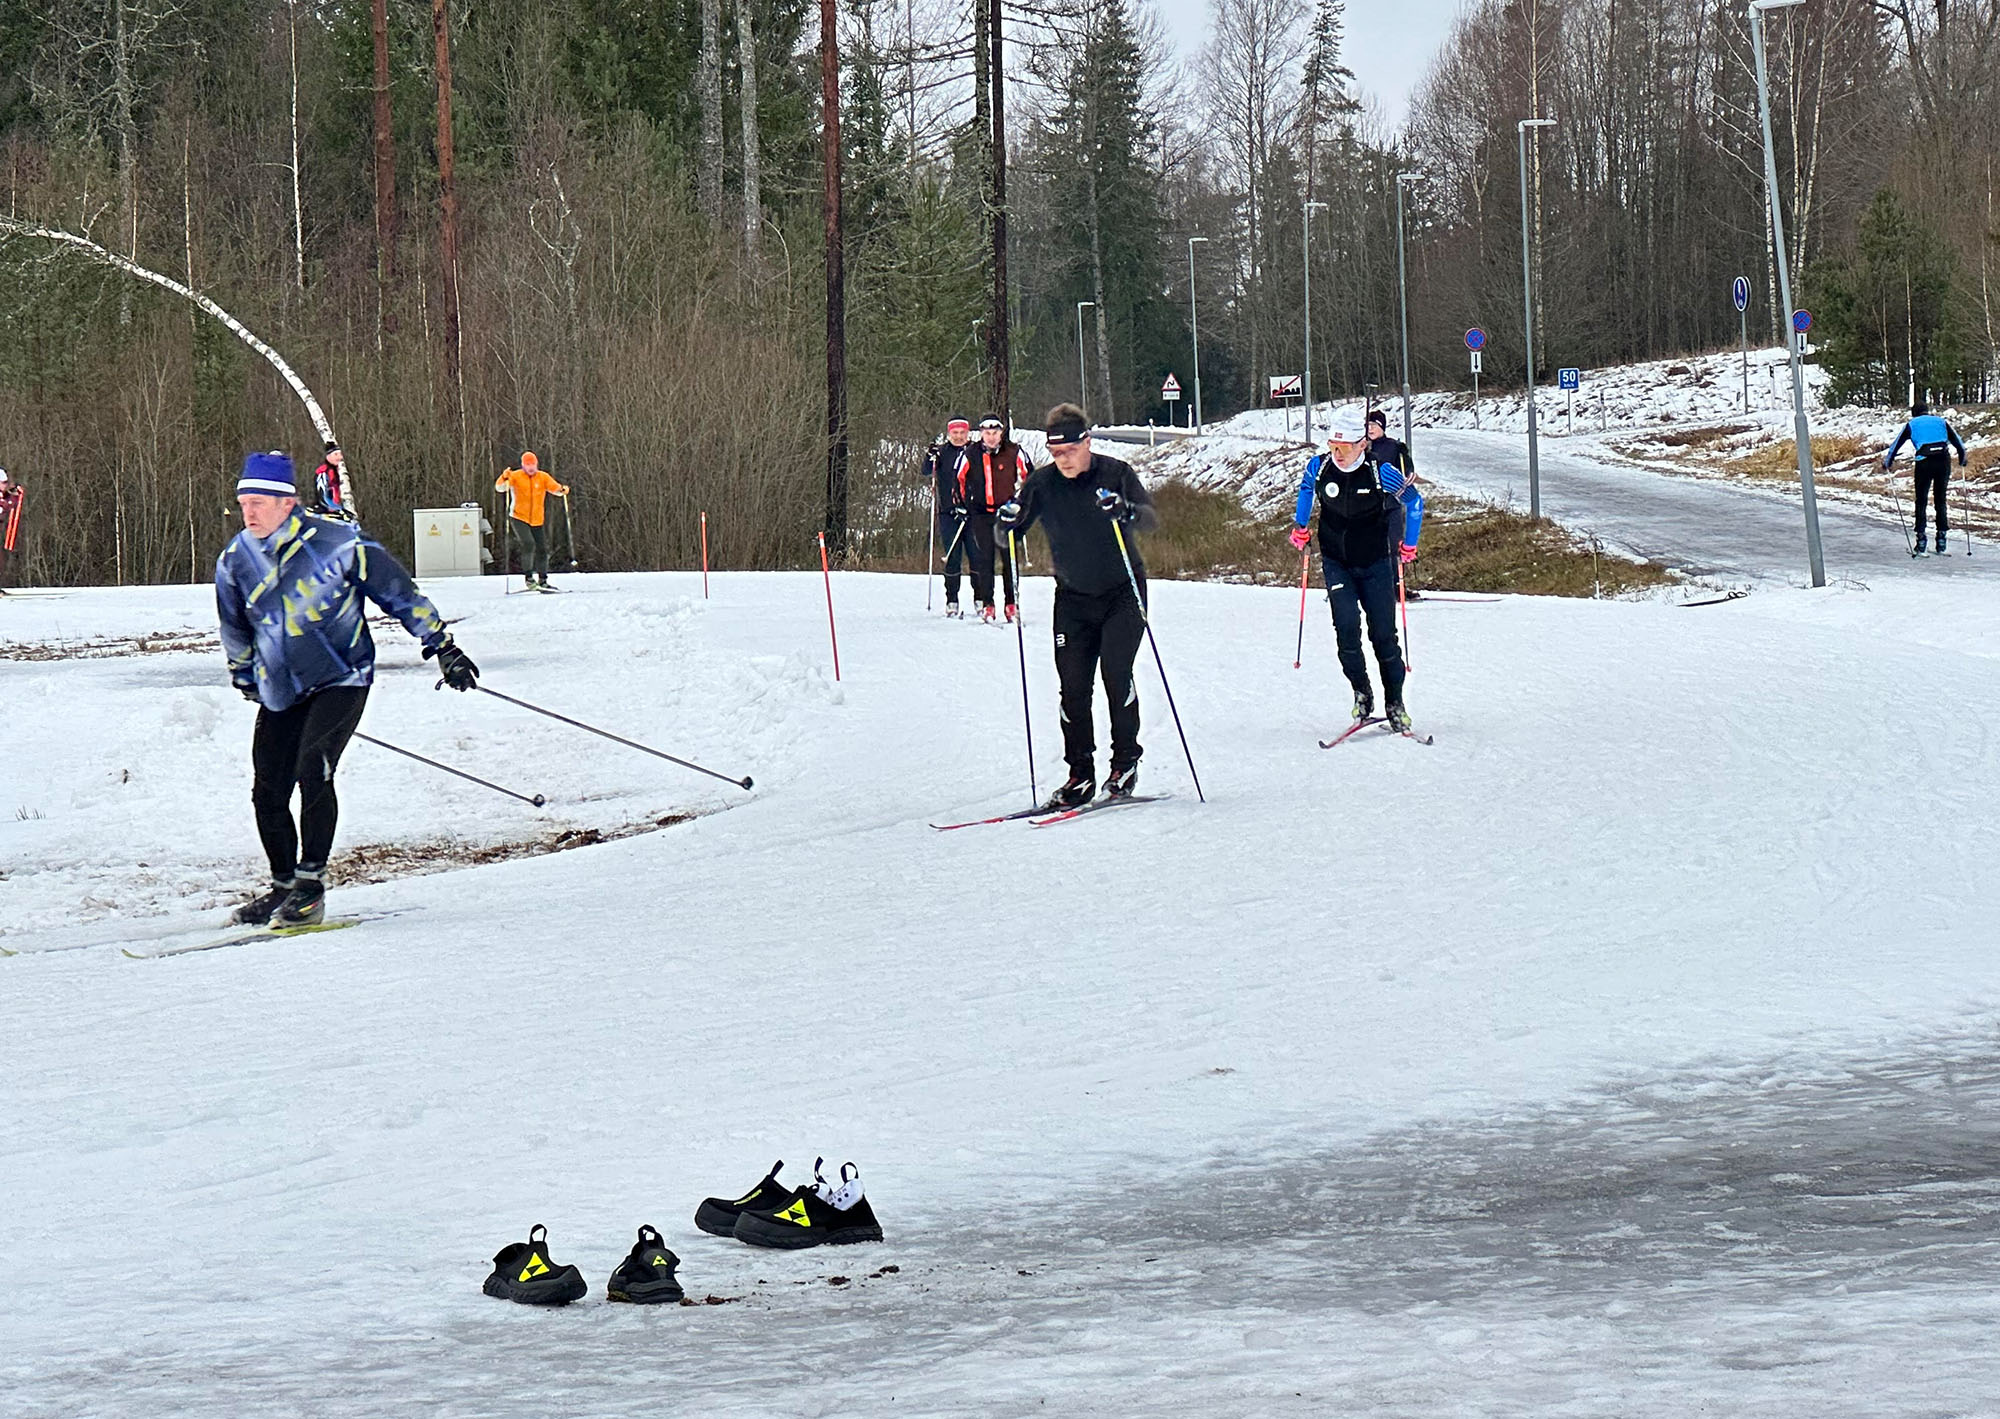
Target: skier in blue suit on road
(1932,440)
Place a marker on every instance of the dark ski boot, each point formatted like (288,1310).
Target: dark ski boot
(817,1216)
(523,1272)
(1122,781)
(304,905)
(1398,717)
(1940,544)
(257,911)
(717,1215)
(1080,789)
(646,1276)
(1364,705)
(951,610)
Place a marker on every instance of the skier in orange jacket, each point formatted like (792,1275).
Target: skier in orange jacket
(527,488)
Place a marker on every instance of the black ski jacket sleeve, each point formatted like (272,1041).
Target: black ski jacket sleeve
(1081,543)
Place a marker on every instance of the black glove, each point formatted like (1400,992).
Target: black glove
(1009,514)
(248,690)
(1113,504)
(454,664)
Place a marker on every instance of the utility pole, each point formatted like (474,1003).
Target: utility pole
(1801,429)
(1194,327)
(1305,228)
(836,281)
(1528,312)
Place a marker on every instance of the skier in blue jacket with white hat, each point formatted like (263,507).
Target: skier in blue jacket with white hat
(289,589)
(1932,439)
(1370,514)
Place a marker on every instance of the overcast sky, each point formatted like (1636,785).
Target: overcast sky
(1389,42)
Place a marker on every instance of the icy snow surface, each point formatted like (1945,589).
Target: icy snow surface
(1629,1052)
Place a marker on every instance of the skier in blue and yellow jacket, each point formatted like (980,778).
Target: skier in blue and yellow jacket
(290,590)
(1370,514)
(1932,440)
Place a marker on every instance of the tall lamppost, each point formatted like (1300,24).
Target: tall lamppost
(1528,308)
(1801,430)
(1403,290)
(1305,227)
(1194,326)
(1082,384)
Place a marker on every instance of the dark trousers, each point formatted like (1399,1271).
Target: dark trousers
(1098,634)
(1371,589)
(533,546)
(952,535)
(987,544)
(1931,480)
(300,748)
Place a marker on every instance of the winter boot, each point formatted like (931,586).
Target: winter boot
(986,614)
(835,1216)
(1398,717)
(1080,789)
(1122,782)
(257,911)
(1940,544)
(1364,705)
(646,1276)
(523,1272)
(1013,613)
(951,609)
(304,905)
(717,1215)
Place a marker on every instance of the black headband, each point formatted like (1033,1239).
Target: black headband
(1067,431)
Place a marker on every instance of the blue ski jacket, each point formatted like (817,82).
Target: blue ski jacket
(1353,515)
(292,607)
(1930,437)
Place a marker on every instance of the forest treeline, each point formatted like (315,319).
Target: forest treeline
(612,251)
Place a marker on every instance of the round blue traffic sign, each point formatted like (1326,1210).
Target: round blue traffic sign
(1475,339)
(1802,321)
(1741,291)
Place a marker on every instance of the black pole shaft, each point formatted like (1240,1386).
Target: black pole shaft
(1147,621)
(743,782)
(1021,642)
(537,800)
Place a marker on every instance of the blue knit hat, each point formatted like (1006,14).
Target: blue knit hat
(269,474)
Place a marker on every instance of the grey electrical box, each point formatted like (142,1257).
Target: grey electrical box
(451,541)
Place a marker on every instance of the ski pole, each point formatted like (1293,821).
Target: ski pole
(954,541)
(537,800)
(1305,570)
(827,572)
(1147,621)
(1403,603)
(704,556)
(743,782)
(569,533)
(930,554)
(1895,496)
(1021,643)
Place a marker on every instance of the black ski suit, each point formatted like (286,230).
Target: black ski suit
(1098,623)
(944,465)
(1364,516)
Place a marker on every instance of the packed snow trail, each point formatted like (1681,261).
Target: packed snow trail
(1628,1051)
(1708,528)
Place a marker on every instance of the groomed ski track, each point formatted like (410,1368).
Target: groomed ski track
(1630,1051)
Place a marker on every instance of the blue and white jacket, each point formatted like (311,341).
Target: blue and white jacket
(1358,525)
(292,607)
(1929,437)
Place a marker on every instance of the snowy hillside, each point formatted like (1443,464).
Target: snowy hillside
(1629,1051)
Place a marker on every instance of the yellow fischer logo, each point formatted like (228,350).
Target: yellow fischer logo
(535,1267)
(795,1213)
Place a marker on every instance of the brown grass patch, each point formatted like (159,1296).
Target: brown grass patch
(1712,436)
(1781,459)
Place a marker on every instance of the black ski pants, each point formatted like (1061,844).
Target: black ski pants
(300,748)
(987,544)
(1932,476)
(1353,591)
(952,535)
(532,543)
(1098,635)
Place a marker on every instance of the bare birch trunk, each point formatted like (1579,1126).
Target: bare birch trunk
(753,210)
(708,83)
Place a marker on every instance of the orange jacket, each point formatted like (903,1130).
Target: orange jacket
(528,489)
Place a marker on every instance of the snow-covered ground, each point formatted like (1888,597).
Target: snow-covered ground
(1630,1051)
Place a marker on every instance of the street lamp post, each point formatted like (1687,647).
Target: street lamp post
(1194,326)
(1082,383)
(1403,290)
(1305,227)
(1528,310)
(1801,430)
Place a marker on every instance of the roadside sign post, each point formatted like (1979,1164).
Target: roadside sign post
(1170,392)
(1569,381)
(1286,388)
(1740,292)
(1475,341)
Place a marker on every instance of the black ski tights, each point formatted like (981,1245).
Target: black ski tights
(300,747)
(1932,481)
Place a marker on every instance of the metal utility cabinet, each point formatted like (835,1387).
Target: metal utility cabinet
(451,541)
